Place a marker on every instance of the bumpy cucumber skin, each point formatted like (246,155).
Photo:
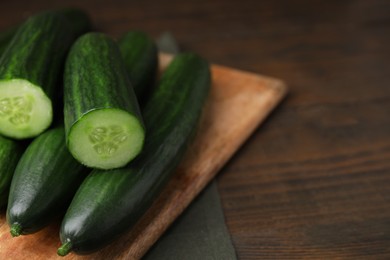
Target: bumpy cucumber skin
(6,37)
(110,202)
(10,150)
(10,153)
(96,78)
(37,51)
(45,179)
(140,56)
(79,19)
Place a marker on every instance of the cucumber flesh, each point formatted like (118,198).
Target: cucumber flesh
(25,110)
(106,138)
(98,92)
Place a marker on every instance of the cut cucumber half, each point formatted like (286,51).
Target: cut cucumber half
(25,110)
(99,94)
(109,203)
(33,59)
(106,138)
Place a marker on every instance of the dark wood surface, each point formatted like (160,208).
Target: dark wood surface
(314,181)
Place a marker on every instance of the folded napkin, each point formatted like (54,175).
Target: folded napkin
(199,233)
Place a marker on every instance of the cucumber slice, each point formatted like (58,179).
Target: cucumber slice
(25,110)
(106,138)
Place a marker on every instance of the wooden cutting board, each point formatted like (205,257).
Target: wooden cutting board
(238,102)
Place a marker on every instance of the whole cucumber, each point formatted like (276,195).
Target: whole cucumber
(10,153)
(45,179)
(140,55)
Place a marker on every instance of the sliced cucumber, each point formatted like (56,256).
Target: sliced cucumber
(33,59)
(25,110)
(106,138)
(110,202)
(103,122)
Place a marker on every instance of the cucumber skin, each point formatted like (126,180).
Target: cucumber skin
(10,150)
(37,51)
(45,179)
(79,19)
(42,213)
(6,37)
(140,56)
(117,198)
(95,59)
(10,153)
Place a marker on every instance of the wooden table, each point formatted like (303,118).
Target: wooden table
(313,181)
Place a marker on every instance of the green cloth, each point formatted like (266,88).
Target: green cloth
(199,233)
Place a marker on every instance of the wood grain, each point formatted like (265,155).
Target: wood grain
(313,181)
(239,101)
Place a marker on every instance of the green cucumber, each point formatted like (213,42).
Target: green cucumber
(30,73)
(140,56)
(103,123)
(28,209)
(109,203)
(78,18)
(5,38)
(45,179)
(10,152)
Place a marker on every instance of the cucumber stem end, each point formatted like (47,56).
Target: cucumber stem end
(64,249)
(16,230)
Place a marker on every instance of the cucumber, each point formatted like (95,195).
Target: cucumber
(108,203)
(78,18)
(103,123)
(6,37)
(140,56)
(29,210)
(45,179)
(30,73)
(10,152)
